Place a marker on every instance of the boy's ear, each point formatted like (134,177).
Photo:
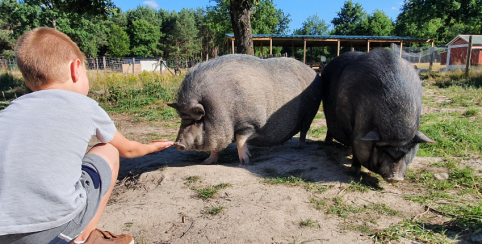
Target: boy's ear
(75,70)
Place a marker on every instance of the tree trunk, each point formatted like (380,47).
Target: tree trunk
(241,22)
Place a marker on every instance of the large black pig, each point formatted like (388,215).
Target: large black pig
(372,102)
(245,99)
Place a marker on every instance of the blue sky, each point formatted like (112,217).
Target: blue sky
(298,9)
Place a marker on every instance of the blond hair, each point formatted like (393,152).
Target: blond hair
(44,56)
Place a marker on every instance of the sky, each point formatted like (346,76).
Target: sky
(299,10)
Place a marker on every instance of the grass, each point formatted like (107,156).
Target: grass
(414,230)
(455,134)
(308,223)
(192,179)
(337,206)
(214,210)
(210,191)
(145,96)
(317,132)
(458,198)
(297,181)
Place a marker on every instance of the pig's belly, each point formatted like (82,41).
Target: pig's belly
(276,137)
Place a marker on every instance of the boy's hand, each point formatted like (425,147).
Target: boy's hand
(161,145)
(132,149)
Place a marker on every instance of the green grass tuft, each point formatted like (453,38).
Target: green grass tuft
(214,210)
(209,192)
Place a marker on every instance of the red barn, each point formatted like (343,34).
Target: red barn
(457,52)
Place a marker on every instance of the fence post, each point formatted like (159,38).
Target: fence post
(469,57)
(431,59)
(105,68)
(97,64)
(133,66)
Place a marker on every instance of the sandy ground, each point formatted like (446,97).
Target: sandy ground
(154,201)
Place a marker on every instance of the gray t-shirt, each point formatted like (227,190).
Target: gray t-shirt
(43,137)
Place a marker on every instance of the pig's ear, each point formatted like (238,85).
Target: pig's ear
(422,138)
(173,105)
(198,111)
(371,136)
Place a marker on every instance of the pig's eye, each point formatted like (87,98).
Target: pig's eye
(197,121)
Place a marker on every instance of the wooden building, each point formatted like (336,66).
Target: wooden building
(338,41)
(456,55)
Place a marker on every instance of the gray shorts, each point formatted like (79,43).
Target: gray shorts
(96,178)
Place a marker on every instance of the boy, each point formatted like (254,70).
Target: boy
(50,190)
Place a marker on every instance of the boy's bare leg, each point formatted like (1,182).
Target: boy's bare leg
(111,155)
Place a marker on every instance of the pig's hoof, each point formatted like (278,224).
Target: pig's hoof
(210,161)
(356,170)
(244,161)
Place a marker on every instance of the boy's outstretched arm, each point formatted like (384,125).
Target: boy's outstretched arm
(132,149)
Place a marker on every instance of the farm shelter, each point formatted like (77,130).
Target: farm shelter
(456,56)
(142,64)
(338,41)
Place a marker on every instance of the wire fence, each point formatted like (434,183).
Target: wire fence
(124,65)
(416,55)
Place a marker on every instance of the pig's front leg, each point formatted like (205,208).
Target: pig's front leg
(213,158)
(243,151)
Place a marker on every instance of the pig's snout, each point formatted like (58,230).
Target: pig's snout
(180,146)
(394,178)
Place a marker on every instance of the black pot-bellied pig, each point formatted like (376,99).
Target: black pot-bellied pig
(244,99)
(372,102)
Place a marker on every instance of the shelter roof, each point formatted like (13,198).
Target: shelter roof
(476,39)
(298,40)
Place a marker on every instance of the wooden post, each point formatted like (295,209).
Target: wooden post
(261,54)
(293,49)
(368,46)
(469,56)
(401,48)
(270,46)
(338,51)
(207,56)
(232,44)
(105,67)
(133,66)
(97,64)
(431,59)
(304,51)
(311,53)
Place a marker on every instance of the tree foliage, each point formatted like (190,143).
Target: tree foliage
(441,20)
(144,39)
(100,28)
(118,42)
(313,25)
(184,36)
(377,24)
(348,20)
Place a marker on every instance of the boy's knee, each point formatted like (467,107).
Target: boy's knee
(108,152)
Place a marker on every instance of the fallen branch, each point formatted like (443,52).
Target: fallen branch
(428,209)
(187,230)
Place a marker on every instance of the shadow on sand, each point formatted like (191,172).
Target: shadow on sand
(317,162)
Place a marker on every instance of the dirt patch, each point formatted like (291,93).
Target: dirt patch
(156,202)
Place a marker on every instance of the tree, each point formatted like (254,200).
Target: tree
(266,19)
(313,26)
(52,10)
(118,42)
(377,24)
(441,20)
(241,22)
(184,36)
(348,20)
(144,39)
